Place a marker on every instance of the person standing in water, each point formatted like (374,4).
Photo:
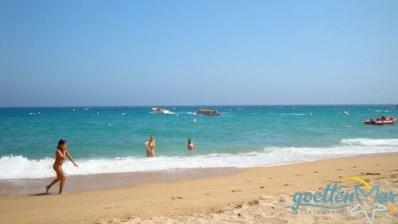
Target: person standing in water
(150,146)
(191,146)
(60,154)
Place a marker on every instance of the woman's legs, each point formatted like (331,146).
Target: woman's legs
(62,181)
(51,184)
(60,177)
(148,153)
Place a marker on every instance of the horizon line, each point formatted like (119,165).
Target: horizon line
(199,105)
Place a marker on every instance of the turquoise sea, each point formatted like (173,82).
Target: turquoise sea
(111,139)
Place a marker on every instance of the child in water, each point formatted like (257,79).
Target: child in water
(191,146)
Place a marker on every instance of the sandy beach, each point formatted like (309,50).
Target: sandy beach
(220,112)
(254,195)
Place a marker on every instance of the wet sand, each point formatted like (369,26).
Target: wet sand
(254,195)
(82,183)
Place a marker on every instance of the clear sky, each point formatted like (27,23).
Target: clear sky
(70,53)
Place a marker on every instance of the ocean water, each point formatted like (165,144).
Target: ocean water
(111,139)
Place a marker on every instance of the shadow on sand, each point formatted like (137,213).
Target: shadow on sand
(40,194)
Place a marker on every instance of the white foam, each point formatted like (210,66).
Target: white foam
(382,111)
(168,112)
(17,167)
(163,112)
(293,114)
(370,142)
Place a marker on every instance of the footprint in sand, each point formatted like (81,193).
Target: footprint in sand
(238,206)
(176,197)
(254,202)
(394,175)
(372,173)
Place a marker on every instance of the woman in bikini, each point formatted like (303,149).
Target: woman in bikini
(60,154)
(150,146)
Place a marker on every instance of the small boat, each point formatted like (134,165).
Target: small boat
(207,111)
(381,121)
(162,110)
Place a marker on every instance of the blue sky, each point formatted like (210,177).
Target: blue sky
(69,53)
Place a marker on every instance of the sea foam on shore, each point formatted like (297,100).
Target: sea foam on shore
(17,167)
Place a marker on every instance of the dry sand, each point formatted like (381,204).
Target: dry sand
(255,195)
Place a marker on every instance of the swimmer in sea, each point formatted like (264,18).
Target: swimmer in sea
(60,154)
(150,146)
(191,146)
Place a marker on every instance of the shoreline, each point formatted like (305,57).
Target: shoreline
(103,181)
(207,197)
(37,169)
